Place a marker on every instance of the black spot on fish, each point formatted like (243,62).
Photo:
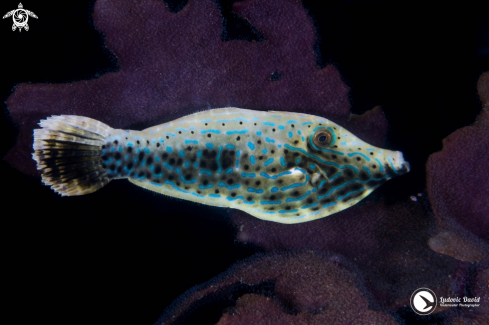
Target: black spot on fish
(296,154)
(132,174)
(157,144)
(274,170)
(156,180)
(141,174)
(179,162)
(273,151)
(105,157)
(226,160)
(116,142)
(205,182)
(230,181)
(172,161)
(137,141)
(233,194)
(371,153)
(112,167)
(238,138)
(286,151)
(141,155)
(129,166)
(272,197)
(363,175)
(273,130)
(232,152)
(260,158)
(189,148)
(216,191)
(315,209)
(164,156)
(309,200)
(349,173)
(257,183)
(214,166)
(333,156)
(157,169)
(280,181)
(249,198)
(188,177)
(246,167)
(103,146)
(296,141)
(119,169)
(129,149)
(148,175)
(209,135)
(149,161)
(290,164)
(203,164)
(259,141)
(257,168)
(374,166)
(287,208)
(295,193)
(167,137)
(170,177)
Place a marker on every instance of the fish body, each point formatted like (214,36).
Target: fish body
(277,166)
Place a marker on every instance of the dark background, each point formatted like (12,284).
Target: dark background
(123,254)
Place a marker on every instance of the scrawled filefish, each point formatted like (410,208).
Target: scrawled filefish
(278,166)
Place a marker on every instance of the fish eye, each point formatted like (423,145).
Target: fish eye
(322,138)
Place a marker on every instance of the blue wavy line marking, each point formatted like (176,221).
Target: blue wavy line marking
(143,163)
(252,159)
(258,132)
(251,145)
(130,144)
(370,149)
(269,123)
(349,193)
(268,162)
(298,160)
(312,166)
(270,202)
(290,211)
(161,140)
(305,123)
(230,146)
(295,184)
(321,160)
(193,180)
(329,204)
(309,206)
(152,167)
(180,190)
(392,164)
(135,160)
(338,174)
(264,150)
(343,143)
(181,153)
(291,121)
(127,170)
(206,172)
(170,134)
(215,195)
(196,164)
(368,171)
(291,134)
(156,184)
(191,141)
(299,198)
(360,154)
(229,171)
(282,162)
(237,163)
(206,120)
(219,167)
(275,176)
(250,202)
(222,121)
(267,139)
(239,119)
(204,187)
(255,190)
(157,159)
(274,189)
(281,127)
(210,131)
(199,154)
(186,164)
(169,149)
(181,129)
(252,175)
(112,149)
(380,165)
(120,149)
(229,187)
(237,132)
(209,145)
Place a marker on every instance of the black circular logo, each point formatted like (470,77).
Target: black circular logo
(423,301)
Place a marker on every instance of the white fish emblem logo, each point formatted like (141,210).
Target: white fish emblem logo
(20,17)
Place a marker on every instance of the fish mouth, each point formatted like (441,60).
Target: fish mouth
(400,165)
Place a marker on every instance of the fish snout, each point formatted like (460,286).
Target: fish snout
(401,166)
